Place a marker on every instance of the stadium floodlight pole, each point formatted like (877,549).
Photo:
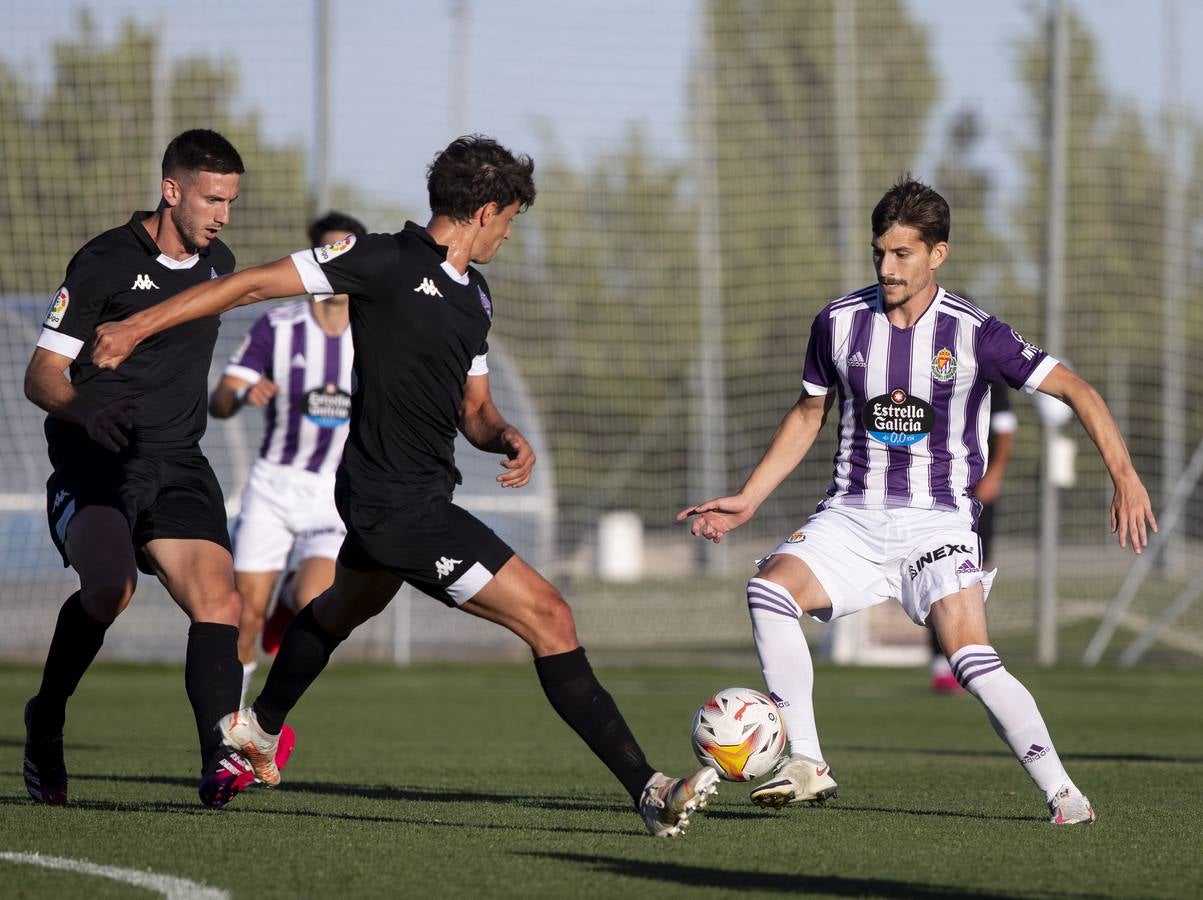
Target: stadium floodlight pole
(322,90)
(1054,297)
(1173,280)
(707,467)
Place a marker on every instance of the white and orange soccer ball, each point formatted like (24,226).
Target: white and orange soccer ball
(738,733)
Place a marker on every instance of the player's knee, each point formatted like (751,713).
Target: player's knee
(106,596)
(222,606)
(552,617)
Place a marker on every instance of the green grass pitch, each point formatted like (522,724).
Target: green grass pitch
(459,781)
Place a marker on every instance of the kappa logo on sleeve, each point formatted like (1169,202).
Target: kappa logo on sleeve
(327,253)
(58,308)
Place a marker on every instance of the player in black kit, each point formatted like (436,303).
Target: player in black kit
(130,488)
(420,318)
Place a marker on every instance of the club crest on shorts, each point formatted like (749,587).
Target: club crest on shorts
(796,538)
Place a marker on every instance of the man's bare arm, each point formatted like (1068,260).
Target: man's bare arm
(116,340)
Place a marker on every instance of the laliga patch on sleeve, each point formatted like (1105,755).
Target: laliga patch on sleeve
(58,308)
(327,253)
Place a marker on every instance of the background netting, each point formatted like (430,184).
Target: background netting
(705,173)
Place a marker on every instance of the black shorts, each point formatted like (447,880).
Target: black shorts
(442,550)
(171,495)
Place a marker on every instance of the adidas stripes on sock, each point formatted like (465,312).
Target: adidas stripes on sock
(1013,713)
(785,661)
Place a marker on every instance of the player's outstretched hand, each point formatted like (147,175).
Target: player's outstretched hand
(261,392)
(520,459)
(1131,512)
(109,425)
(717,517)
(115,341)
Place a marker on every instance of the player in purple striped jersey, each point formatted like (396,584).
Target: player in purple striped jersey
(908,365)
(295,364)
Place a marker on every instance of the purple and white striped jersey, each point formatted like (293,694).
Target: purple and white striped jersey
(308,419)
(914,403)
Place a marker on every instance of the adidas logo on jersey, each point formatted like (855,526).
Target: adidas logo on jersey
(298,361)
(427,287)
(143,283)
(967,567)
(446,566)
(857,359)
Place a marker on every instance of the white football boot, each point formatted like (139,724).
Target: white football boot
(796,780)
(1070,807)
(240,731)
(667,803)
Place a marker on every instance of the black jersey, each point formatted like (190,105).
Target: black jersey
(417,327)
(113,276)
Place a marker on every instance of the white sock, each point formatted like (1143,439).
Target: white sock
(1013,713)
(785,661)
(248,669)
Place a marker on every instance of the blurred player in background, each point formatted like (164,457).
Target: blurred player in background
(911,367)
(130,488)
(1002,437)
(420,319)
(295,364)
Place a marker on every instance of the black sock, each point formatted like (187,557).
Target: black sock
(77,640)
(583,703)
(212,678)
(304,652)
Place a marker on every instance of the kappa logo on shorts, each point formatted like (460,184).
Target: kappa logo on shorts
(58,501)
(931,556)
(446,566)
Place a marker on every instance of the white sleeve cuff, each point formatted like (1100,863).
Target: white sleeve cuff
(311,273)
(250,376)
(62,344)
(1041,372)
(480,365)
(815,390)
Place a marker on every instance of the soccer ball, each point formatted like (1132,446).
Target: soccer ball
(738,733)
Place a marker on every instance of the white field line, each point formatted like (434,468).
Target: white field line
(169,887)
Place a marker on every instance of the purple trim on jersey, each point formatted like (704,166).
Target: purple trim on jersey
(962,305)
(257,354)
(330,376)
(939,477)
(269,427)
(979,395)
(296,390)
(859,338)
(898,375)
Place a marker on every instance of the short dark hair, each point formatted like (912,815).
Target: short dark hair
(911,202)
(333,221)
(201,150)
(474,171)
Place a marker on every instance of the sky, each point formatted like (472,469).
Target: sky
(567,74)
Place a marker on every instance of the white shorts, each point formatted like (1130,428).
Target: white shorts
(285,509)
(862,557)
